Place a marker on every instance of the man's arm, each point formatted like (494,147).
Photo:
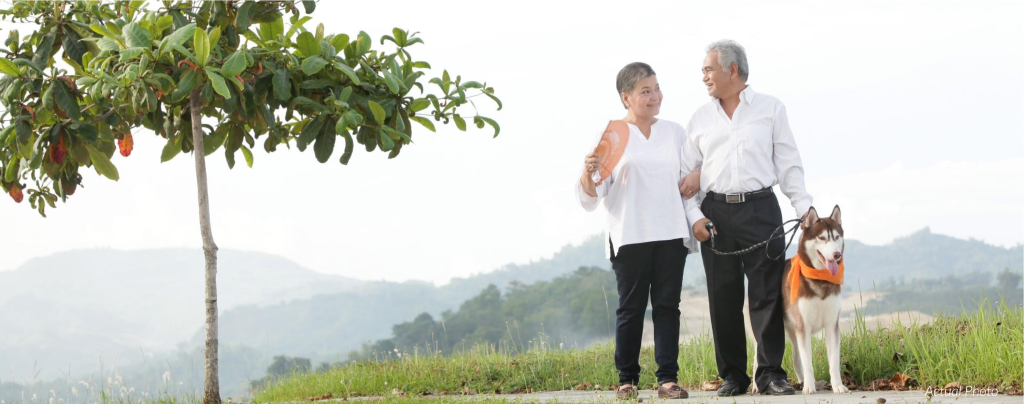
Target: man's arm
(692,159)
(788,167)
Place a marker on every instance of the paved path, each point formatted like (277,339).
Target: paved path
(650,396)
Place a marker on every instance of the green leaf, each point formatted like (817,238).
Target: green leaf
(180,35)
(459,122)
(9,68)
(348,72)
(339,42)
(218,84)
(201,44)
(102,163)
(492,123)
(300,100)
(419,104)
(307,44)
(136,36)
(272,31)
(214,37)
(282,85)
(350,120)
(234,65)
(324,146)
(215,140)
(131,53)
(74,48)
(364,42)
(490,95)
(186,84)
(309,5)
(424,121)
(313,64)
(244,18)
(349,145)
(386,144)
(392,131)
(44,51)
(107,44)
(65,100)
(391,82)
(248,156)
(310,132)
(378,112)
(318,83)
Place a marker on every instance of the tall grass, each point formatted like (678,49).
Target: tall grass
(984,348)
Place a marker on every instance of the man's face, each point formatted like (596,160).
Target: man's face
(715,78)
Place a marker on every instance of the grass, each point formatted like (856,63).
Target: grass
(983,348)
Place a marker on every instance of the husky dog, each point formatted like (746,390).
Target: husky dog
(811,286)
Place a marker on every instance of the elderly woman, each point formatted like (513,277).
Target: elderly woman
(648,234)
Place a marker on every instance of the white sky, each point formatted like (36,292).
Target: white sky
(907,114)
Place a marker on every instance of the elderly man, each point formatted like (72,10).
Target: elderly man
(742,143)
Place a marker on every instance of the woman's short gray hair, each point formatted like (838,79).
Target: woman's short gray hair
(630,75)
(729,53)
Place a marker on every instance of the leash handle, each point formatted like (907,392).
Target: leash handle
(710,227)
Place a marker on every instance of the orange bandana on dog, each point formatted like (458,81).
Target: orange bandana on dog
(797,267)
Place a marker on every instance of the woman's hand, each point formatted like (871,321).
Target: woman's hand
(592,163)
(690,184)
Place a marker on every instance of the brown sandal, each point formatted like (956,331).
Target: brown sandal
(674,392)
(626,393)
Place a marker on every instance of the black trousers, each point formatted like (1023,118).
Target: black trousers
(653,269)
(739,226)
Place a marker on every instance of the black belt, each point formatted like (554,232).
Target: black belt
(741,196)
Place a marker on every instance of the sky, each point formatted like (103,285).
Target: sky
(908,114)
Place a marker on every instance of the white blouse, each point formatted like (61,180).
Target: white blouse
(642,193)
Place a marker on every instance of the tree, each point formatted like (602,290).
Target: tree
(204,76)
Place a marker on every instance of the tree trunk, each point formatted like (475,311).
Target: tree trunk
(211,385)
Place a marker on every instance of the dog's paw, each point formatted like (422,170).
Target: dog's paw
(838,388)
(809,388)
(753,388)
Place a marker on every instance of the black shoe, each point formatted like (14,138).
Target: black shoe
(730,388)
(778,388)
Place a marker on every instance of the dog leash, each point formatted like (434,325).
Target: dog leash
(792,231)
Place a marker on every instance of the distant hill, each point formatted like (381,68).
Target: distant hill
(68,308)
(73,307)
(334,324)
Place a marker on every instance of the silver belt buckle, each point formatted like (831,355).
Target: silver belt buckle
(735,198)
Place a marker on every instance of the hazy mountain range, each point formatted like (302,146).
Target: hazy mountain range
(71,309)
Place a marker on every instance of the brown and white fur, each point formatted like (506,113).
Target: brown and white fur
(818,302)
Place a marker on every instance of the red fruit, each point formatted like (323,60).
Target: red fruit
(15,193)
(58,151)
(125,144)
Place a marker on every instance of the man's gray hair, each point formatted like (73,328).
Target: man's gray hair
(729,53)
(630,75)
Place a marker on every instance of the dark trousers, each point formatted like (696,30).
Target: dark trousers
(653,269)
(739,226)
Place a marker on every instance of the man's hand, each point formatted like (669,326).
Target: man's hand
(700,233)
(690,184)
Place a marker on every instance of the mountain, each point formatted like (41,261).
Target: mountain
(79,308)
(333,324)
(68,308)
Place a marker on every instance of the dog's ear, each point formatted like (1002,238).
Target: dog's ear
(836,215)
(809,219)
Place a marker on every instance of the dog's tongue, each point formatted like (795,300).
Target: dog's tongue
(833,267)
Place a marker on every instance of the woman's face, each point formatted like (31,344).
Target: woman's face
(645,99)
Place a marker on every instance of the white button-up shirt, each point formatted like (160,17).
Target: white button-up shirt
(753,150)
(642,193)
